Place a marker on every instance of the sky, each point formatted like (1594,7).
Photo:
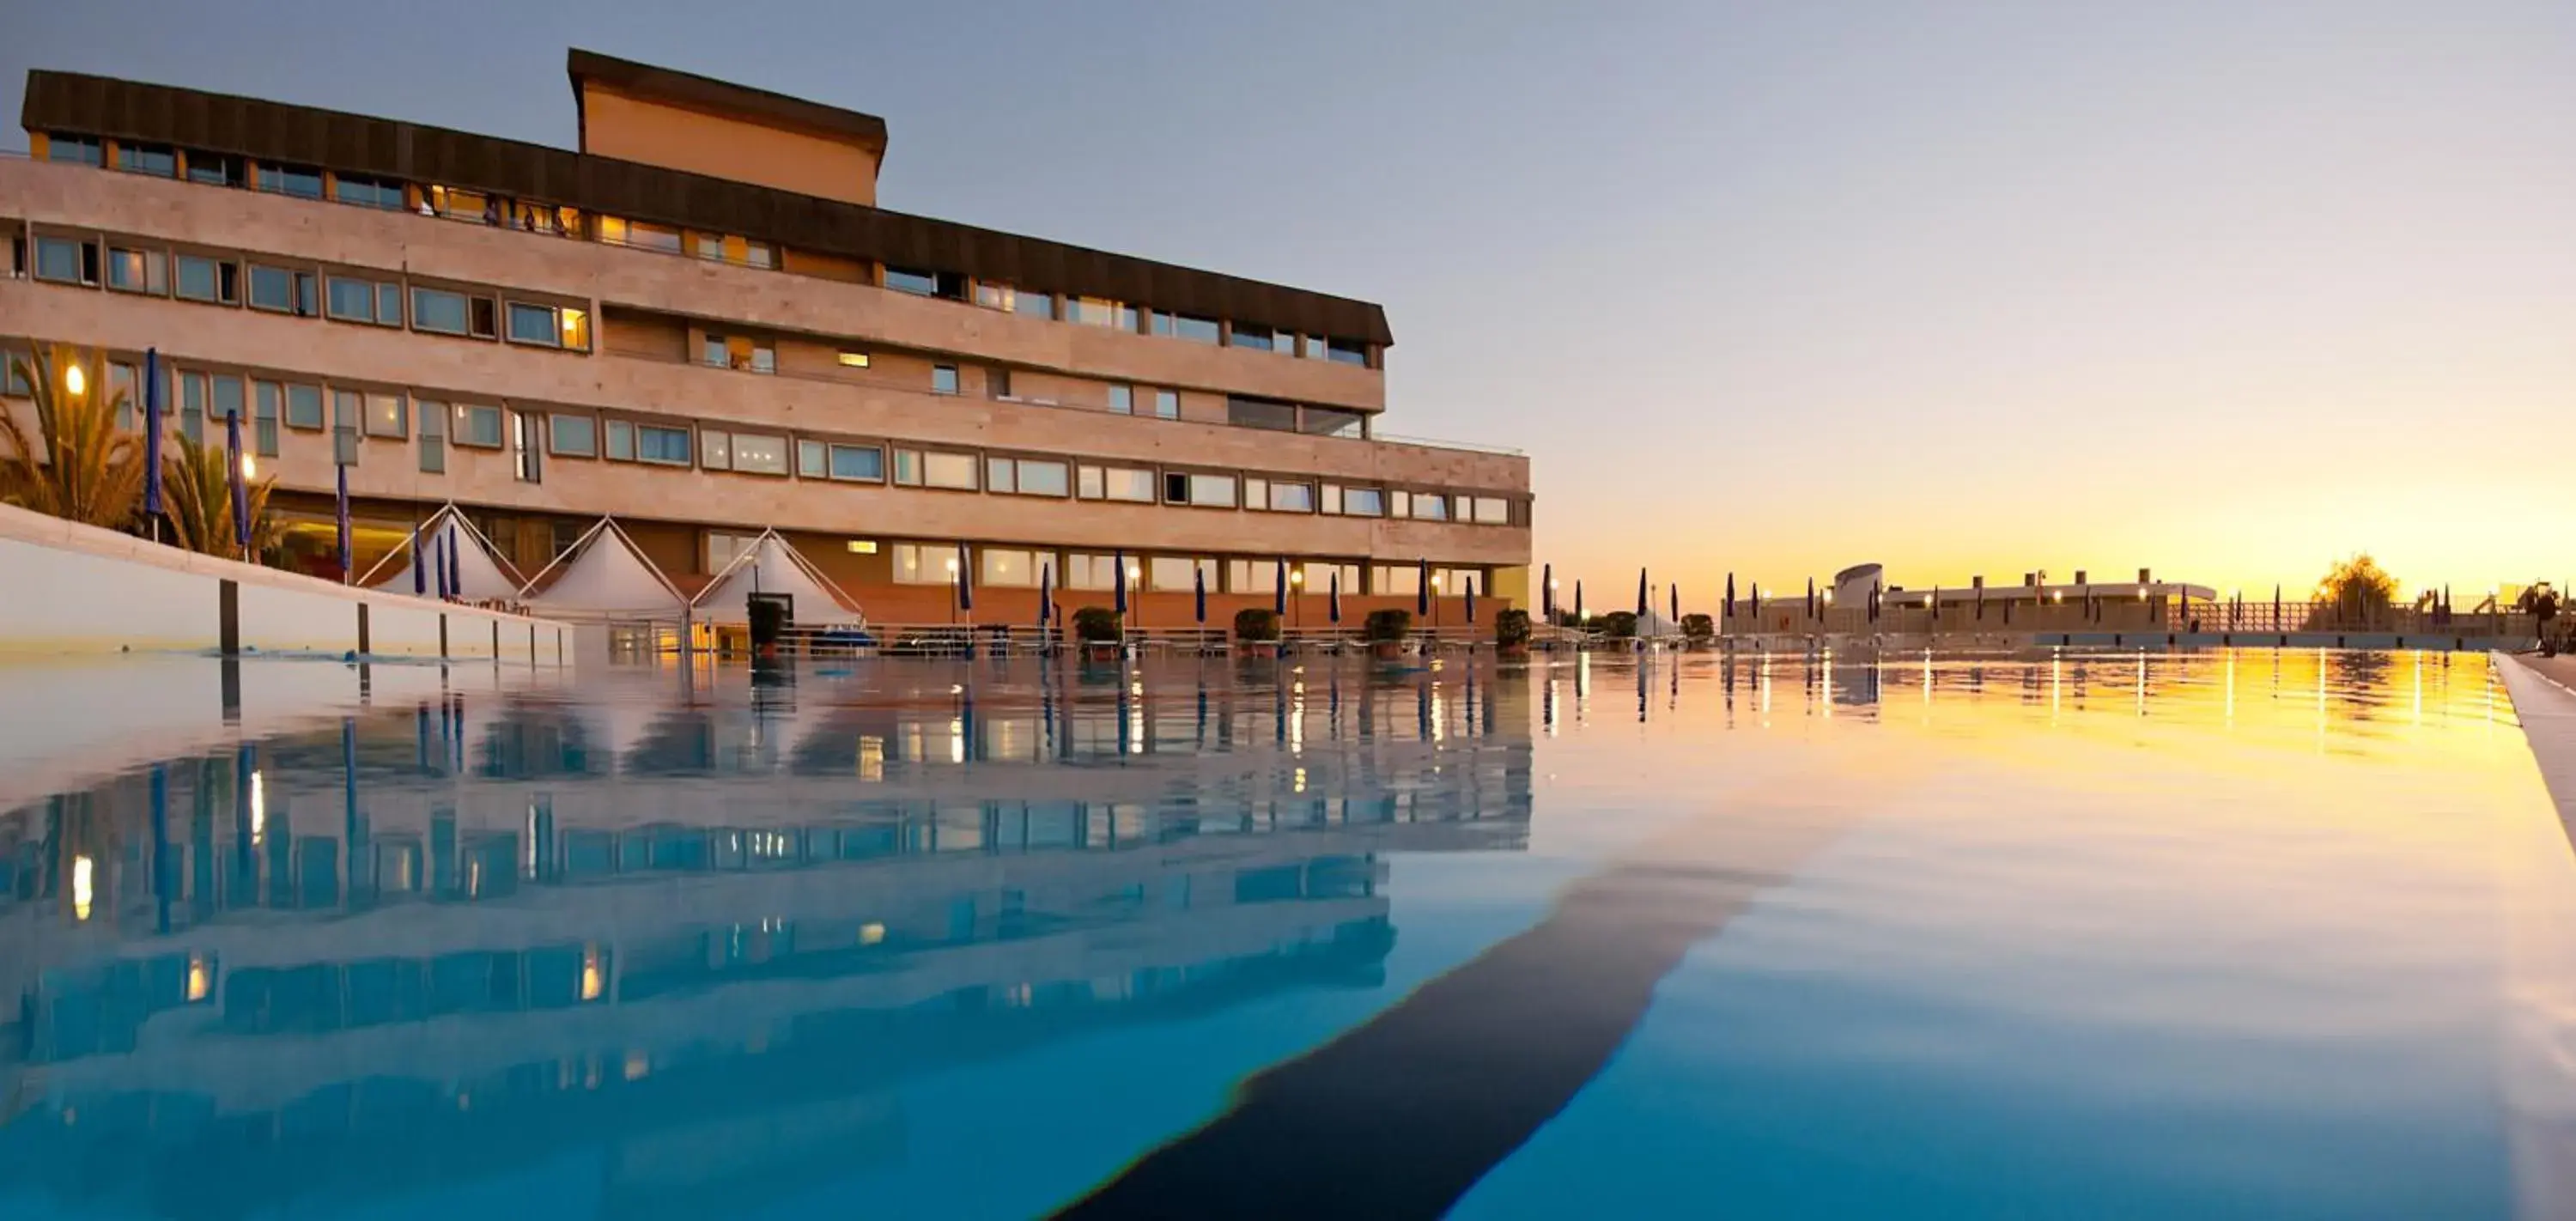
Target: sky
(2224,290)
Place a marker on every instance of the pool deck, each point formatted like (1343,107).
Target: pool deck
(2544,700)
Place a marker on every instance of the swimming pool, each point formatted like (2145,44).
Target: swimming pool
(2259,934)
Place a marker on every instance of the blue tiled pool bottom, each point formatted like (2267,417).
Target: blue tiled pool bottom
(2251,934)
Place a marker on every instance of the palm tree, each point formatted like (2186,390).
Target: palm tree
(197,488)
(78,464)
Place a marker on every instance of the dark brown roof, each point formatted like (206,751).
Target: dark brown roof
(723,97)
(357,144)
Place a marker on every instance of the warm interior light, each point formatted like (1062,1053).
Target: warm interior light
(74,380)
(592,979)
(1296,578)
(871,933)
(952,565)
(250,467)
(258,808)
(1134,572)
(863,546)
(81,889)
(200,980)
(854,360)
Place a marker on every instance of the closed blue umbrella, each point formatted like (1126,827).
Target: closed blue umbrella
(152,434)
(1641,593)
(340,518)
(1279,589)
(1547,592)
(419,579)
(965,577)
(1118,561)
(438,564)
(1578,603)
(1046,593)
(1675,589)
(1198,593)
(1811,597)
(240,494)
(1471,599)
(1422,587)
(1730,595)
(455,560)
(1333,607)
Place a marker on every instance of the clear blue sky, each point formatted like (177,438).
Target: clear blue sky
(2223,288)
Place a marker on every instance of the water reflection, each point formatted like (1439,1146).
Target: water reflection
(709,929)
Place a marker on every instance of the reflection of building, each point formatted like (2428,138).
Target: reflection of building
(701,323)
(713,936)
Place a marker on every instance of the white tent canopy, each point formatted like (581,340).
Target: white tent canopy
(604,575)
(480,572)
(771,566)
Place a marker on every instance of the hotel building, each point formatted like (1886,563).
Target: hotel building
(702,326)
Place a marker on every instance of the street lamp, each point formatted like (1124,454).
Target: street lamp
(1296,602)
(75,382)
(952,589)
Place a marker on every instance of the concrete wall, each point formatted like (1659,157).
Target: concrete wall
(71,588)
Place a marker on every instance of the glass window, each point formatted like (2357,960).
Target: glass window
(1086,482)
(812,460)
(354,300)
(1320,575)
(385,416)
(214,169)
(708,245)
(1292,498)
(948,471)
(272,288)
(998,475)
(854,360)
(906,280)
(478,425)
(266,405)
(1332,422)
(136,271)
(227,397)
(715,449)
(1251,576)
(997,382)
(1196,330)
(1088,571)
(204,279)
(943,379)
(924,563)
(639,234)
(1043,478)
(433,436)
(1030,303)
(1347,351)
(303,406)
(907,467)
(1122,399)
(13,380)
(621,441)
(577,435)
(1005,567)
(456,203)
(1100,311)
(1428,506)
(1171,573)
(436,309)
(1117,483)
(860,462)
(1493,511)
(993,296)
(657,444)
(533,324)
(67,261)
(526,445)
(1261,338)
(1260,413)
(759,254)
(122,380)
(1212,491)
(760,455)
(192,406)
(1167,404)
(1403,579)
(1399,504)
(158,160)
(75,150)
(292,180)
(1256,493)
(367,192)
(1364,502)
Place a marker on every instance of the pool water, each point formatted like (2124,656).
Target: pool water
(2268,934)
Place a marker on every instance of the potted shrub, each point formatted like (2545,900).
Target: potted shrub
(1099,630)
(1256,631)
(1386,630)
(1512,633)
(1617,625)
(1698,630)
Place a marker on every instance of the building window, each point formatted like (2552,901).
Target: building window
(924,563)
(1332,422)
(854,360)
(192,405)
(228,396)
(303,406)
(1115,483)
(1488,510)
(1251,576)
(997,383)
(759,254)
(298,181)
(377,414)
(715,449)
(759,455)
(75,150)
(1024,476)
(527,447)
(621,441)
(213,280)
(708,246)
(1429,506)
(1100,311)
(1259,338)
(1167,404)
(1292,498)
(1363,502)
(1088,571)
(1399,504)
(433,437)
(267,404)
(1122,400)
(13,374)
(1189,327)
(478,426)
(455,203)
(1004,567)
(137,271)
(943,379)
(286,292)
(214,169)
(573,435)
(1348,352)
(122,379)
(157,160)
(955,471)
(368,192)
(66,261)
(17,256)
(1405,579)
(1202,491)
(1320,576)
(1030,303)
(1177,573)
(618,231)
(669,446)
(550,218)
(356,300)
(862,463)
(946,284)
(737,352)
(1272,414)
(549,326)
(813,460)
(451,313)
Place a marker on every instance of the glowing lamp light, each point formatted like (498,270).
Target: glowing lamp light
(952,566)
(1297,578)
(1134,571)
(250,467)
(75,381)
(82,891)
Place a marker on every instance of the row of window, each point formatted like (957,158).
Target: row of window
(456,203)
(345,296)
(1023,568)
(531,435)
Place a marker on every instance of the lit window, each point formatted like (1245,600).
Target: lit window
(1175,573)
(618,231)
(924,563)
(455,203)
(1005,567)
(854,360)
(1100,311)
(385,416)
(715,449)
(759,455)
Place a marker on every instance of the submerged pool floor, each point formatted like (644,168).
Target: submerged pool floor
(2257,933)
